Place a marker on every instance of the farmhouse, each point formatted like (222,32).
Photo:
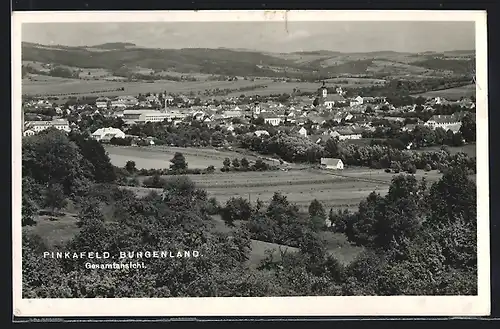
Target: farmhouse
(447,122)
(105,133)
(331,163)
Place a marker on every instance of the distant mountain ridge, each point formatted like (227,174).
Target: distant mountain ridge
(241,62)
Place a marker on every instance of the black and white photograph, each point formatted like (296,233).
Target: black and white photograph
(248,163)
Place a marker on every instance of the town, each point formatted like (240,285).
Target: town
(316,117)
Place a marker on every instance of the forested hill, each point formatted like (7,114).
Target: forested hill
(225,61)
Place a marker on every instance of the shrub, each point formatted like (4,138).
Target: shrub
(156,181)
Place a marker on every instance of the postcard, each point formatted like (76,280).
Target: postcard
(250,163)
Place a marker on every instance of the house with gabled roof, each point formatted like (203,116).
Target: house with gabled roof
(332,164)
(447,122)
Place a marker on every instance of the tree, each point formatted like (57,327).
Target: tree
(54,197)
(236,209)
(96,155)
(226,163)
(51,157)
(236,163)
(260,165)
(317,214)
(178,162)
(213,206)
(332,147)
(130,166)
(29,210)
(210,169)
(244,163)
(468,128)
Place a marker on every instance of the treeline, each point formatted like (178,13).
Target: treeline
(245,165)
(80,93)
(57,71)
(381,157)
(297,149)
(289,148)
(423,136)
(227,91)
(186,134)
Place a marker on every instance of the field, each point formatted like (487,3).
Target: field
(342,189)
(452,93)
(46,85)
(52,86)
(334,190)
(158,157)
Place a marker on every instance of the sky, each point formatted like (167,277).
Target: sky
(345,36)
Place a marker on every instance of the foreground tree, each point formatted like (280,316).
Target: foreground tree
(54,198)
(236,209)
(317,215)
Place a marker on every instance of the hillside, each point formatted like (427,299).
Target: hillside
(241,62)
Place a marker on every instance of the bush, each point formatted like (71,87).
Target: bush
(133,182)
(387,170)
(412,169)
(427,167)
(156,181)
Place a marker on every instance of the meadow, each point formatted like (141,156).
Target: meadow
(158,157)
(452,93)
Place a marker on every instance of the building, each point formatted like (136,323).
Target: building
(124,101)
(271,118)
(102,103)
(356,101)
(147,115)
(107,133)
(343,134)
(259,133)
(37,126)
(329,101)
(447,122)
(303,132)
(331,163)
(28,132)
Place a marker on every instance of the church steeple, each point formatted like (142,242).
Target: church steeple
(324,91)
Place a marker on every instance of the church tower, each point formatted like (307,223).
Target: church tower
(324,91)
